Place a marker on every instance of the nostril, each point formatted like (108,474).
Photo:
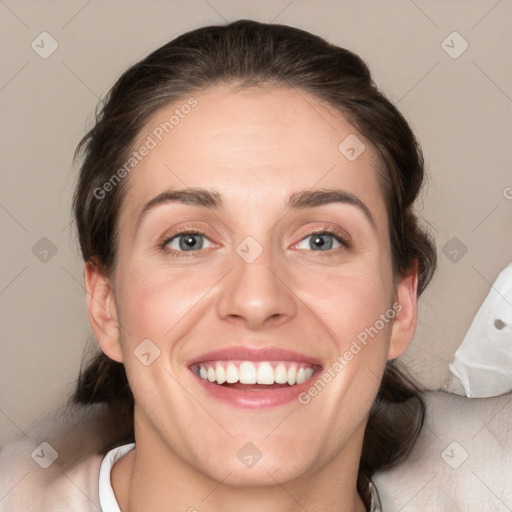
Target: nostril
(499,324)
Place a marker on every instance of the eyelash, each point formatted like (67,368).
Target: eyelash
(337,235)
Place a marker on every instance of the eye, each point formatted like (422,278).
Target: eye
(323,241)
(187,242)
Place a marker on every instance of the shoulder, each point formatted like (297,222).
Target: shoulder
(462,460)
(54,467)
(25,485)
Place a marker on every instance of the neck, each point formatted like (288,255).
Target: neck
(152,477)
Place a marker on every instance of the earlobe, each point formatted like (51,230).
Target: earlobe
(404,323)
(102,311)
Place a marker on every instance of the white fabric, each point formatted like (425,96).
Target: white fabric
(108,500)
(375,505)
(461,462)
(483,362)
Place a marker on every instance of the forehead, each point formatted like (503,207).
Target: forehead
(256,145)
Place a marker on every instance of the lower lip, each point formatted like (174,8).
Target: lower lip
(255,399)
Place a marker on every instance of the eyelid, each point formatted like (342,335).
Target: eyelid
(340,234)
(185,229)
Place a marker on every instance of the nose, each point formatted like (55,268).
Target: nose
(257,293)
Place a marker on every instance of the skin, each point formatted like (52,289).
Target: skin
(255,147)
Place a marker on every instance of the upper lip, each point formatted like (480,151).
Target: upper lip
(248,353)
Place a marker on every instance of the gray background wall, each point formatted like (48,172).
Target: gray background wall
(459,105)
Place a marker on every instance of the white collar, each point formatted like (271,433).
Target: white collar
(108,500)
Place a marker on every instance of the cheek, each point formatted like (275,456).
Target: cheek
(348,307)
(355,313)
(347,302)
(151,300)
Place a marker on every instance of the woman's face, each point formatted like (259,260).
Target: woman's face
(281,281)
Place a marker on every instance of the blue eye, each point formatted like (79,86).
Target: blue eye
(187,242)
(193,241)
(322,242)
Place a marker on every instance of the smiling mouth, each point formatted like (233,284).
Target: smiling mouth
(254,376)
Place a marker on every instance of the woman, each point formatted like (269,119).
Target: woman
(253,264)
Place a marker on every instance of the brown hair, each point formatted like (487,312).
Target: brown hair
(246,53)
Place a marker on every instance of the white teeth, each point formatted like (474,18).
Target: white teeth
(248,372)
(281,374)
(231,373)
(301,376)
(221,374)
(292,372)
(265,374)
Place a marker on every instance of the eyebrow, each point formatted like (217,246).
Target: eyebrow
(313,198)
(297,201)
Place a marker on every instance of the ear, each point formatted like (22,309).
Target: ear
(102,310)
(404,323)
